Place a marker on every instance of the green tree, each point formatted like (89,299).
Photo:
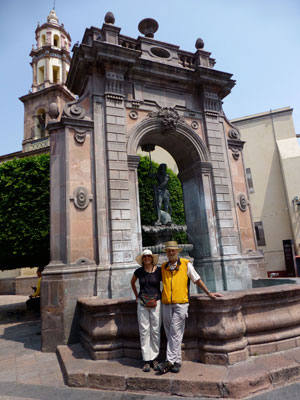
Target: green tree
(147,201)
(24,212)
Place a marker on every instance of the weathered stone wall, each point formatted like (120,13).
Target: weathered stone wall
(222,331)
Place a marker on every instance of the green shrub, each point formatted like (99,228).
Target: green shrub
(24,212)
(147,201)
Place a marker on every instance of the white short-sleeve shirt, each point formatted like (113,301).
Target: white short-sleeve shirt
(191,272)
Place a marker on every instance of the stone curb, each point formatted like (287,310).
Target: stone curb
(236,381)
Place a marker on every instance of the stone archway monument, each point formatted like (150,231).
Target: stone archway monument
(134,92)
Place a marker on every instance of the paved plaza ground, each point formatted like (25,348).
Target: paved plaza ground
(28,373)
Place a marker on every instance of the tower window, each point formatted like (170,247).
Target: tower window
(56,41)
(43,40)
(40,124)
(55,72)
(41,75)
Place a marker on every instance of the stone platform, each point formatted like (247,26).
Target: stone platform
(238,381)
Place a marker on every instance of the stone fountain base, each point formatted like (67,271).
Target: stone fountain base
(222,331)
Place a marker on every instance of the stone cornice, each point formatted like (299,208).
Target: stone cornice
(69,122)
(129,60)
(47,91)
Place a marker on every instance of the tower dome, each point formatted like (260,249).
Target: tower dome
(52,17)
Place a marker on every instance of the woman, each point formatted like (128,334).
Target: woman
(148,309)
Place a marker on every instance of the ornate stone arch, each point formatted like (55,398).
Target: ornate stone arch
(194,163)
(150,131)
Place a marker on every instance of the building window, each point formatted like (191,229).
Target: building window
(43,40)
(249,180)
(260,234)
(40,124)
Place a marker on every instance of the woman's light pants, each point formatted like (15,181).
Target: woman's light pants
(149,320)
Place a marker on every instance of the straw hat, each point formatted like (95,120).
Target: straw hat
(172,245)
(147,252)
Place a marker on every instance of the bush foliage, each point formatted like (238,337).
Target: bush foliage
(24,212)
(147,200)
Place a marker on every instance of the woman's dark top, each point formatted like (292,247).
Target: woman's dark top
(149,281)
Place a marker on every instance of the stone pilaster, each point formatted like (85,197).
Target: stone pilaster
(221,176)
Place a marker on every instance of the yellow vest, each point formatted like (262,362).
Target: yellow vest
(175,283)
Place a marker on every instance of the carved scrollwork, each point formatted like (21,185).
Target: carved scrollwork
(73,110)
(242,202)
(81,197)
(133,114)
(80,135)
(234,134)
(235,152)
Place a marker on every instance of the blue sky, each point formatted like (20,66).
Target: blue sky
(258,41)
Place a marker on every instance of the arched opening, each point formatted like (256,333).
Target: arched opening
(56,40)
(43,40)
(55,74)
(192,158)
(40,124)
(41,75)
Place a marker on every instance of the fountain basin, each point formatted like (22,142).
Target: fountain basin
(222,331)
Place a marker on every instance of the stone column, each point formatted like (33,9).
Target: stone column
(72,271)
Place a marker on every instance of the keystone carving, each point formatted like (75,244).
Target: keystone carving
(170,117)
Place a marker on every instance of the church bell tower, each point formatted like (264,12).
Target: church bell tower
(50,65)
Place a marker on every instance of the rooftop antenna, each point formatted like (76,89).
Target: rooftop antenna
(53,4)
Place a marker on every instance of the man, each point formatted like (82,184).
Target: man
(175,302)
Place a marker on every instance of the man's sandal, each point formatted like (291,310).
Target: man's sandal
(146,367)
(164,367)
(175,368)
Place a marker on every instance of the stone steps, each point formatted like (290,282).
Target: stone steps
(236,381)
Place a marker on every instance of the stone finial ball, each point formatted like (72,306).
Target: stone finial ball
(109,18)
(148,27)
(199,44)
(53,111)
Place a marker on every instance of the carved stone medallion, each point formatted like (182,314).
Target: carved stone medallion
(242,202)
(81,197)
(194,125)
(133,114)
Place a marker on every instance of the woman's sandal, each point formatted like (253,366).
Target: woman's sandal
(146,367)
(164,367)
